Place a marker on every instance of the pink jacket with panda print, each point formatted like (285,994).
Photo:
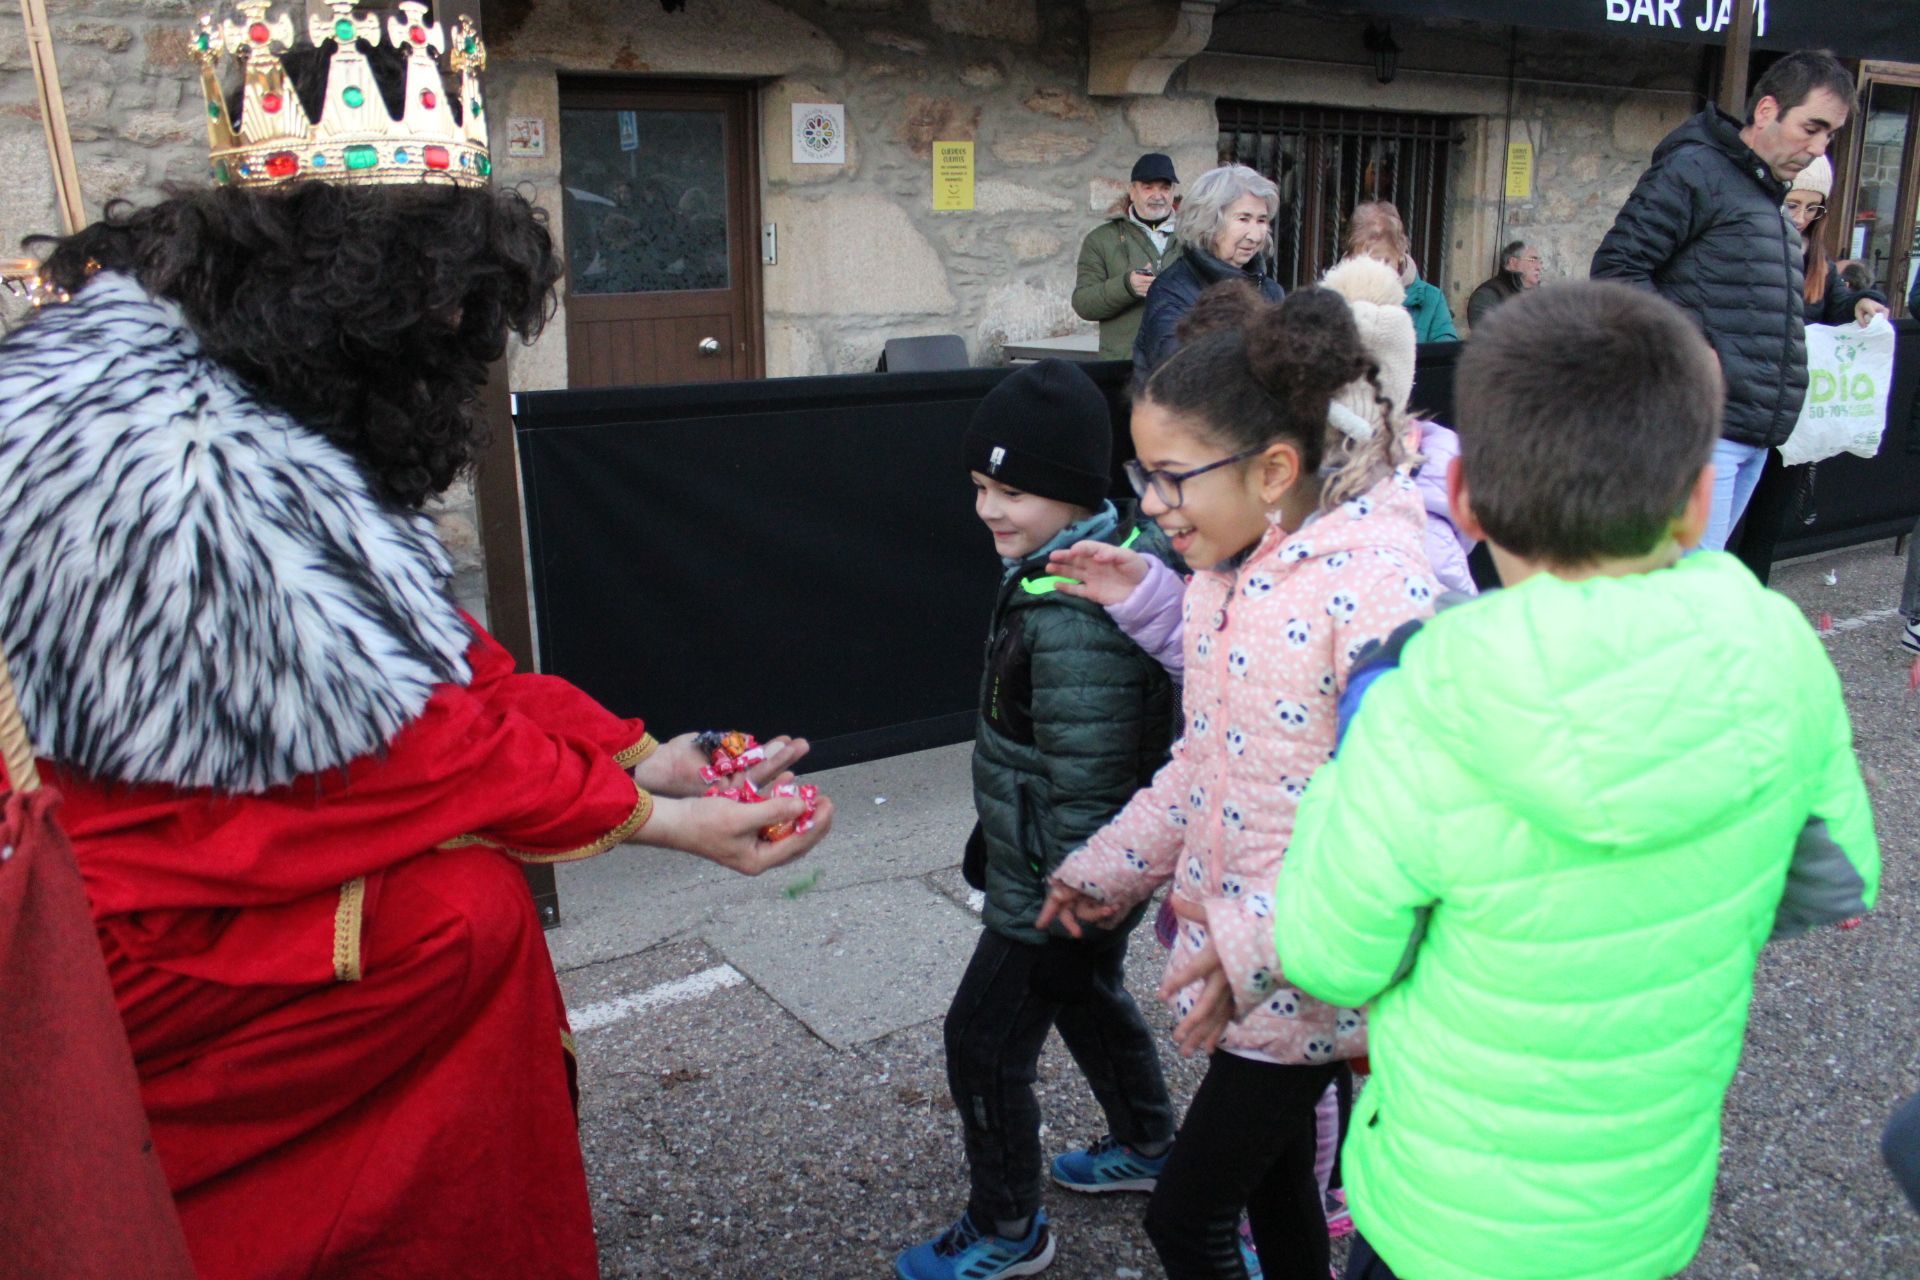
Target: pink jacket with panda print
(1267,652)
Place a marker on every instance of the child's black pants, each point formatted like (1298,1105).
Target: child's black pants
(1248,1141)
(1011,994)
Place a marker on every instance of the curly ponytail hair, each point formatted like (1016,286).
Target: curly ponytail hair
(371,314)
(1253,372)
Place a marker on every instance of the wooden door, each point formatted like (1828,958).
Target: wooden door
(660,209)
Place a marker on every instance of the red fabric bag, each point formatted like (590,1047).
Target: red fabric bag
(81,1192)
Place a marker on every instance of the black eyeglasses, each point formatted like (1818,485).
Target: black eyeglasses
(1166,485)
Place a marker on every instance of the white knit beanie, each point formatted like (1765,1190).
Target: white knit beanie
(1374,293)
(1816,177)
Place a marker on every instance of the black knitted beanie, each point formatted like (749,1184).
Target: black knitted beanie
(1045,430)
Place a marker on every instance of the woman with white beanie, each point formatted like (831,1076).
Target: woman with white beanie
(1828,300)
(1373,292)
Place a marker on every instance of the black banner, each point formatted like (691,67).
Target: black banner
(801,555)
(789,556)
(1882,29)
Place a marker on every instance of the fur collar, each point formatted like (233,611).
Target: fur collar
(196,591)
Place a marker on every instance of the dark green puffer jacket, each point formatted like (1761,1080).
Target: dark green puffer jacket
(1074,718)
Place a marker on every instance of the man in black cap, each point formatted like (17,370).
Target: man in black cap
(1120,257)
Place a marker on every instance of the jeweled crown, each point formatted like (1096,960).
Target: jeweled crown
(355,139)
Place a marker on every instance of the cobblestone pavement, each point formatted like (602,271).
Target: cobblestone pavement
(764,1090)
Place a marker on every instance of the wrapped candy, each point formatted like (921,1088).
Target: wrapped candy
(747,793)
(807,794)
(730,753)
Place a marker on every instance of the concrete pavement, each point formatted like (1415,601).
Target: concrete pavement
(763,1076)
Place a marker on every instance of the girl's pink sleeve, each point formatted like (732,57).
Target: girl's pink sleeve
(1150,616)
(1135,853)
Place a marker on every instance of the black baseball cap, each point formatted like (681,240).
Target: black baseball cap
(1153,167)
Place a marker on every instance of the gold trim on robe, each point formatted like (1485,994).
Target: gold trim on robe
(642,810)
(346,930)
(627,757)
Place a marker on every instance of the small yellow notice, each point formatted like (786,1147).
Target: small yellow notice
(953,175)
(1519,171)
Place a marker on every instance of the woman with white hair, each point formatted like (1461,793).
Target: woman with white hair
(1225,223)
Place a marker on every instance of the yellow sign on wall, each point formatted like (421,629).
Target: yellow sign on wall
(1519,171)
(953,175)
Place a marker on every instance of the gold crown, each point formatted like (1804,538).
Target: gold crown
(355,139)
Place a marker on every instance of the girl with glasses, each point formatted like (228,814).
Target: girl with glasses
(1259,458)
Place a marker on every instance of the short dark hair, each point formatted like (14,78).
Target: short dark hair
(1586,412)
(1792,80)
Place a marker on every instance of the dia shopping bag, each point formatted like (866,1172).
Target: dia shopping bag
(1849,372)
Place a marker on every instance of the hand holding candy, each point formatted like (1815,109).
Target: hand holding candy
(1103,573)
(729,833)
(728,753)
(786,789)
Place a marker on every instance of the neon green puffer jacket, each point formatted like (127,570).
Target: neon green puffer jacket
(1577,810)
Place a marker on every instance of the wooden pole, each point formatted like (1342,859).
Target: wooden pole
(53,115)
(1733,71)
(496,500)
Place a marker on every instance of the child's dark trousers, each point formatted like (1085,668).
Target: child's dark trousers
(1011,994)
(1248,1141)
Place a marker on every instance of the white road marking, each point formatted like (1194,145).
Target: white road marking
(693,987)
(1864,620)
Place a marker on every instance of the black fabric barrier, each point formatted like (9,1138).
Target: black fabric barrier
(1855,500)
(801,555)
(796,555)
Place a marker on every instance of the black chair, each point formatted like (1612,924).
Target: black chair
(923,355)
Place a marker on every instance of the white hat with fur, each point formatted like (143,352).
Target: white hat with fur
(1375,294)
(1816,177)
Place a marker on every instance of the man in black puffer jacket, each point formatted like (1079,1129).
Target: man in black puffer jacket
(1703,228)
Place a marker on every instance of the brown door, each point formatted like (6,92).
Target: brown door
(660,209)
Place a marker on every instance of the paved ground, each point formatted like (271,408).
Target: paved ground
(764,1087)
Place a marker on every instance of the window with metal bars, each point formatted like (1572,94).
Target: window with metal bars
(1326,160)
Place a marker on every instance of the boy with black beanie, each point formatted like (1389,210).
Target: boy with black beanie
(1074,718)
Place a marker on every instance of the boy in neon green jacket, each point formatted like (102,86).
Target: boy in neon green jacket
(1562,828)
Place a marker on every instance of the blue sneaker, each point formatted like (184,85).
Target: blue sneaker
(1108,1165)
(964,1252)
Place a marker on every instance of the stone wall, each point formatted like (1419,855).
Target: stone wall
(863,255)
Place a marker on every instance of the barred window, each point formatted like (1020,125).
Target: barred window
(1326,160)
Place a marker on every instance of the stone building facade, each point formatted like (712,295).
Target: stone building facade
(1058,96)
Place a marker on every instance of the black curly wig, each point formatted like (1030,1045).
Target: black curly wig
(370,313)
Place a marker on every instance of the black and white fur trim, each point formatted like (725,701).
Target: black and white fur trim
(194,589)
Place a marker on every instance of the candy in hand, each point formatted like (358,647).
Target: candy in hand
(730,753)
(809,795)
(747,793)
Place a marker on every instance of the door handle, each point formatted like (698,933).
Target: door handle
(709,346)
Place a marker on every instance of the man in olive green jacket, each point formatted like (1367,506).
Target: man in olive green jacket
(1120,257)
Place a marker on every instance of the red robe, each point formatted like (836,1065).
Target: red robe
(350,1041)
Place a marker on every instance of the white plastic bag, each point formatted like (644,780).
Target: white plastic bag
(1849,372)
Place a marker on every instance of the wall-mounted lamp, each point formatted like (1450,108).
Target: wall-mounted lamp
(1385,50)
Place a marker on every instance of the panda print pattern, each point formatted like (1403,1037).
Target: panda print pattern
(1267,648)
